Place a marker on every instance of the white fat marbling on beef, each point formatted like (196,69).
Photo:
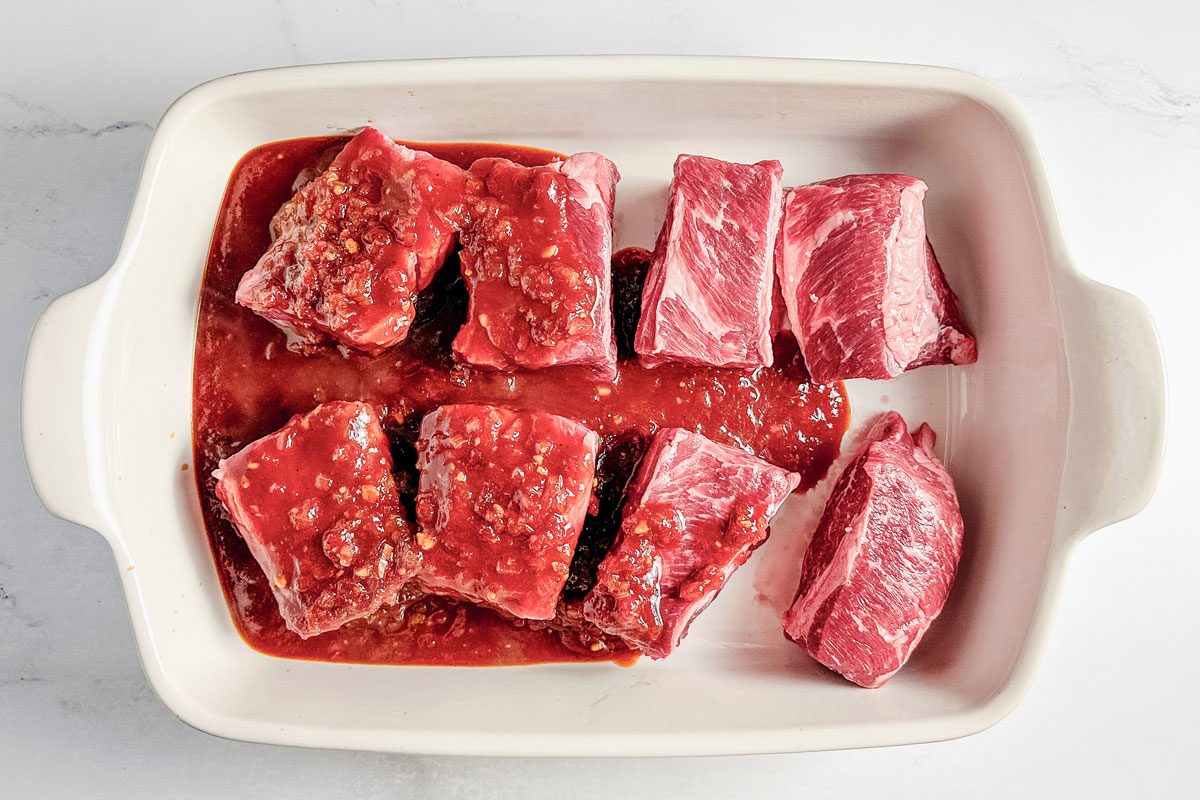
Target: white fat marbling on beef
(864,293)
(882,561)
(707,298)
(695,511)
(909,316)
(595,184)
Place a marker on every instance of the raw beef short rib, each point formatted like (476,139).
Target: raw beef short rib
(535,259)
(355,244)
(955,343)
(707,298)
(502,500)
(695,511)
(317,506)
(883,558)
(865,296)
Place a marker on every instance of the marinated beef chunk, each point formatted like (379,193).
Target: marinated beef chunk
(355,244)
(536,262)
(581,636)
(707,299)
(883,558)
(694,513)
(502,500)
(316,504)
(865,296)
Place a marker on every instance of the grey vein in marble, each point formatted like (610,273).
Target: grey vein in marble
(1130,86)
(43,121)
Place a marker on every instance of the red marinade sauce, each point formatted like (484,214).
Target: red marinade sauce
(247,384)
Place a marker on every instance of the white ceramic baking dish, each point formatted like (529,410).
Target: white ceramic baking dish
(1056,432)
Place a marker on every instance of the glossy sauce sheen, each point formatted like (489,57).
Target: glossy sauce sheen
(247,384)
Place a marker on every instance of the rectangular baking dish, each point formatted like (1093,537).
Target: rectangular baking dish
(1055,432)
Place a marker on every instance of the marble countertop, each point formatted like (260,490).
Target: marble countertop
(1113,94)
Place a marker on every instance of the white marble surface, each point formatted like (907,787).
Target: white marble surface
(1113,92)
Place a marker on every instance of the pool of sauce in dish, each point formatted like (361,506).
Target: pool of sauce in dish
(247,384)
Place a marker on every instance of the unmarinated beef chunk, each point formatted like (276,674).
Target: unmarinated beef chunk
(707,299)
(694,513)
(955,344)
(883,558)
(865,296)
(536,262)
(502,500)
(355,244)
(317,506)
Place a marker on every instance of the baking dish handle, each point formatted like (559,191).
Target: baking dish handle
(1118,405)
(53,399)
